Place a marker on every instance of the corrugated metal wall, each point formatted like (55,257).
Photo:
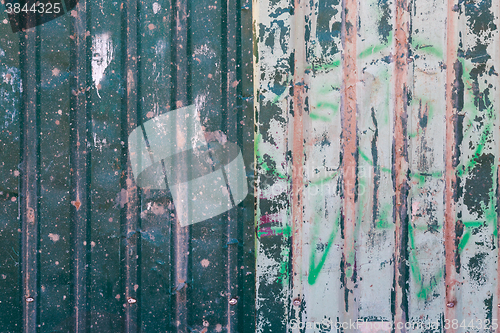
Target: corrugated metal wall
(375,151)
(83,249)
(377,148)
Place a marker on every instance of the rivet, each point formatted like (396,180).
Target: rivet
(131,300)
(30,299)
(233,301)
(296,302)
(498,305)
(450,305)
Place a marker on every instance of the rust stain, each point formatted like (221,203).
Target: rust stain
(400,159)
(349,147)
(450,175)
(298,147)
(76,203)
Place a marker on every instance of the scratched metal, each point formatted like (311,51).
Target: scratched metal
(377,149)
(83,249)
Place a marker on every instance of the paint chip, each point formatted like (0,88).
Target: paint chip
(205,263)
(151,26)
(54,237)
(156,7)
(55,72)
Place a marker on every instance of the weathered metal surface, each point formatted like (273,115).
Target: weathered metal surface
(85,249)
(377,155)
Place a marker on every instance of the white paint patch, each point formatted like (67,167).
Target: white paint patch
(8,95)
(160,47)
(54,237)
(204,50)
(102,55)
(205,263)
(156,7)
(121,198)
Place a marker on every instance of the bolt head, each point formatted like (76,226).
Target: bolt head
(296,302)
(233,301)
(30,299)
(131,300)
(450,304)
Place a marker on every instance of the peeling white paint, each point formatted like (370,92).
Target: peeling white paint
(160,48)
(156,7)
(204,50)
(54,237)
(102,55)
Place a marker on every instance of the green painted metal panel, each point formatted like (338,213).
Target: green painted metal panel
(85,248)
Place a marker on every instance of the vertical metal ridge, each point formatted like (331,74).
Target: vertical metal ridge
(451,251)
(298,144)
(130,218)
(299,97)
(400,176)
(230,116)
(181,234)
(80,157)
(29,184)
(349,158)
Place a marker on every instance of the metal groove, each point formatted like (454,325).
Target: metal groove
(181,234)
(80,166)
(401,161)
(29,183)
(230,116)
(349,154)
(130,219)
